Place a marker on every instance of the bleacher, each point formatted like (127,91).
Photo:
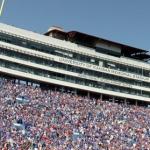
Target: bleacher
(32,118)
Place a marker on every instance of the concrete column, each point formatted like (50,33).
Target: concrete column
(88,94)
(75,91)
(125,101)
(113,99)
(27,82)
(101,97)
(14,81)
(55,88)
(136,103)
(62,89)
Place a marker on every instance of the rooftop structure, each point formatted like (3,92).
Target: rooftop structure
(93,42)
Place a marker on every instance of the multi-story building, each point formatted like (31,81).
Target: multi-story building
(76,62)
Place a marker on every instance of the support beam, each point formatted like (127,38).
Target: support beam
(113,99)
(14,81)
(75,91)
(101,97)
(18,81)
(125,101)
(62,89)
(136,103)
(88,94)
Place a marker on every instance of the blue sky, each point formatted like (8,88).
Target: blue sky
(122,21)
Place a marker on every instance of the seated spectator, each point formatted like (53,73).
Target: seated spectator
(54,120)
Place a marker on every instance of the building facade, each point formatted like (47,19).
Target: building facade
(76,62)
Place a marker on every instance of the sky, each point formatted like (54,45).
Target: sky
(122,21)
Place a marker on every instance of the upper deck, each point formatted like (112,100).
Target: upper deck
(96,42)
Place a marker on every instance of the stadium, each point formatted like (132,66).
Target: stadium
(70,90)
(77,63)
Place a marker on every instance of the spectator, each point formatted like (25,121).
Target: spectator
(55,120)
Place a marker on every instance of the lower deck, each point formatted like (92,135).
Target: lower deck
(73,91)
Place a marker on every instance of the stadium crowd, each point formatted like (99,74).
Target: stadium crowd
(51,120)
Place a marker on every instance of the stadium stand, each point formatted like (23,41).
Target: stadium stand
(32,118)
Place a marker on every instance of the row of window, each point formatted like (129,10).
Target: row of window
(72,68)
(108,52)
(71,79)
(71,55)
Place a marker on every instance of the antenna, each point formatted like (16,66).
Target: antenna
(2,7)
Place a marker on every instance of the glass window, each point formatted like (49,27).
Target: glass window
(82,57)
(75,56)
(63,53)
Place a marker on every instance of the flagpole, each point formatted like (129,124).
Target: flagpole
(2,7)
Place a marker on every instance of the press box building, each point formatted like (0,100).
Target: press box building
(76,62)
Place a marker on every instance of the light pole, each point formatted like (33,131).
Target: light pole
(2,7)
